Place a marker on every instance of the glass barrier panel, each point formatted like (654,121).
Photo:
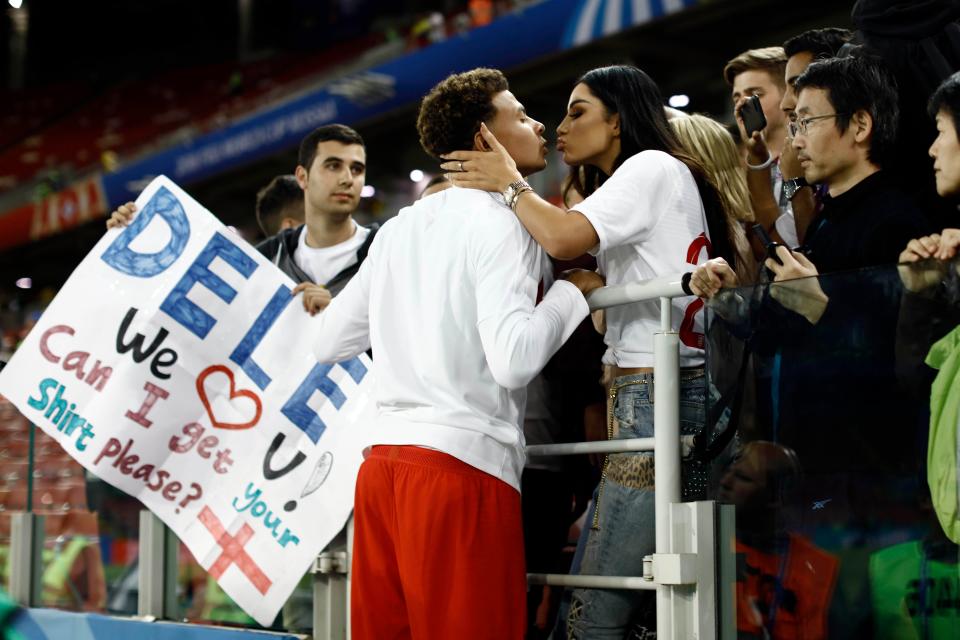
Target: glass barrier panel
(201,600)
(90,529)
(825,381)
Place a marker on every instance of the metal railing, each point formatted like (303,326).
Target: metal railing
(684,567)
(689,570)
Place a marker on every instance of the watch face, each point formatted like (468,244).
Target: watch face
(790,187)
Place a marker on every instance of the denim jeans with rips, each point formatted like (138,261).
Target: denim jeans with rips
(622,531)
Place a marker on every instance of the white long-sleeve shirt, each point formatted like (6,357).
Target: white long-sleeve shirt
(447,300)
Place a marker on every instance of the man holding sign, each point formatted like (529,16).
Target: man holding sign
(324,253)
(447,299)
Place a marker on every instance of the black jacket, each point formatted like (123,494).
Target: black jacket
(280,249)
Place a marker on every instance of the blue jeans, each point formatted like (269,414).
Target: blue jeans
(625,531)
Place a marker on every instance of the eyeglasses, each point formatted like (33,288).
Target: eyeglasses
(801,125)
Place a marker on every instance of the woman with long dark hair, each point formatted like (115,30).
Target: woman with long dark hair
(649,211)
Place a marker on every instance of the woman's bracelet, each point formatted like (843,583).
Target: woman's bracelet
(763,165)
(513,190)
(516,197)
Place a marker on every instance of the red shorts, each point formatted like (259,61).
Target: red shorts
(437,550)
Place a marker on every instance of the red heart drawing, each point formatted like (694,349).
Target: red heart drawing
(234,393)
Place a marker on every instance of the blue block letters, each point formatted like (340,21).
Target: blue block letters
(305,418)
(146,265)
(192,317)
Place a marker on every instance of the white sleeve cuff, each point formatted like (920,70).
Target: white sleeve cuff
(567,294)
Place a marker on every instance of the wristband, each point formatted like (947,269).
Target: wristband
(761,167)
(513,190)
(516,197)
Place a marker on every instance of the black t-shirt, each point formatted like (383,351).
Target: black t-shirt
(868,225)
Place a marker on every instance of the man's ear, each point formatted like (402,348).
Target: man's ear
(862,124)
(301,174)
(289,222)
(479,144)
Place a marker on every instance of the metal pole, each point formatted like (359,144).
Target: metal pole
(26,543)
(604,446)
(330,612)
(26,567)
(157,578)
(591,582)
(727,572)
(635,292)
(30,467)
(666,420)
(19,28)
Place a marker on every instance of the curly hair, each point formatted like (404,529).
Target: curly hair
(450,115)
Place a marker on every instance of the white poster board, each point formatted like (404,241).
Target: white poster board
(175,365)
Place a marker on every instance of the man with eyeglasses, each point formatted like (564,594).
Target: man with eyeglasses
(844,134)
(801,50)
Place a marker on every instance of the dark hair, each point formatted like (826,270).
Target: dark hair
(336,132)
(282,195)
(822,43)
(631,93)
(859,83)
(947,98)
(450,115)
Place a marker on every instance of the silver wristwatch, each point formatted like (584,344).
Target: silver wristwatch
(513,191)
(790,187)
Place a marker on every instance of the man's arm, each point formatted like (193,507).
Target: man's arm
(518,336)
(343,328)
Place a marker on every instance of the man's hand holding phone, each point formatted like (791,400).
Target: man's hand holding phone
(752,122)
(769,248)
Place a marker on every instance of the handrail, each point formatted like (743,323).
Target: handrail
(652,289)
(666,442)
(591,582)
(601,446)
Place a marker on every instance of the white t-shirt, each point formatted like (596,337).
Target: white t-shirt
(323,264)
(446,298)
(651,223)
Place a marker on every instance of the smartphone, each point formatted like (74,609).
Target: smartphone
(770,246)
(752,115)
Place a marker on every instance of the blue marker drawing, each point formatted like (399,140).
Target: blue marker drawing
(296,408)
(188,314)
(243,354)
(121,257)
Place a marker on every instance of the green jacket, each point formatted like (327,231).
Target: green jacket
(942,454)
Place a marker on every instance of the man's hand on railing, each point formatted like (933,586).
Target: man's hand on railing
(796,286)
(583,279)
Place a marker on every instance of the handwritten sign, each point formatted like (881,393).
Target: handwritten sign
(176,365)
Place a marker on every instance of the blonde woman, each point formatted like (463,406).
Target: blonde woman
(712,145)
